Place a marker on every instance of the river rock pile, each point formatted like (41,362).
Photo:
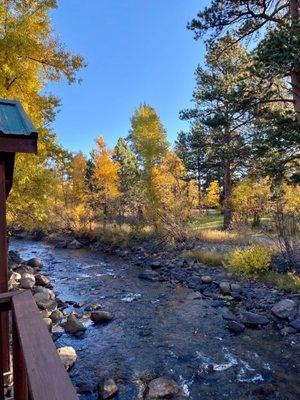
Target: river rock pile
(27,275)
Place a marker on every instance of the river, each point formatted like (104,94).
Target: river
(162,329)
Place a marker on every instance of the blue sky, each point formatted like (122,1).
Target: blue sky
(137,51)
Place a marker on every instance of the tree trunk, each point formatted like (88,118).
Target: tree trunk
(295,75)
(199,185)
(227,204)
(256,220)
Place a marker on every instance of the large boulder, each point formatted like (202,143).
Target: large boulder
(253,320)
(42,280)
(149,275)
(41,289)
(44,299)
(68,356)
(35,263)
(27,281)
(285,309)
(101,316)
(73,325)
(163,388)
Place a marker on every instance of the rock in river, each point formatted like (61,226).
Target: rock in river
(235,327)
(163,388)
(68,356)
(48,323)
(225,288)
(252,319)
(56,316)
(42,280)
(296,324)
(101,316)
(107,388)
(73,325)
(35,263)
(206,279)
(27,281)
(285,309)
(149,275)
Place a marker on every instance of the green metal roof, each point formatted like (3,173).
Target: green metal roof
(13,119)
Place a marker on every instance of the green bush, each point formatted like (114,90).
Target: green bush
(249,261)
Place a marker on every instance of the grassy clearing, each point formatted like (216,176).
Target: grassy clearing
(207,257)
(212,220)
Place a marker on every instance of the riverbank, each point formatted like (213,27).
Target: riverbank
(171,318)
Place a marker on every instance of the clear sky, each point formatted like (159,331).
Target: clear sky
(137,51)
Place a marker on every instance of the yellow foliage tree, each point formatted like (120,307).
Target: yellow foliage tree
(175,195)
(251,198)
(213,194)
(105,177)
(149,141)
(78,177)
(30,57)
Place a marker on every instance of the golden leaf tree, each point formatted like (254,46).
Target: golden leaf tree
(30,57)
(105,178)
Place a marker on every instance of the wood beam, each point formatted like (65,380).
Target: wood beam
(3,269)
(11,144)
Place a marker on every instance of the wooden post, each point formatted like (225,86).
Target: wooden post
(3,268)
(19,369)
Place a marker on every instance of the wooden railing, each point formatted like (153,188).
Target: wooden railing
(38,373)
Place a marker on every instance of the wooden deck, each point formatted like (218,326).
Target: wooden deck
(38,373)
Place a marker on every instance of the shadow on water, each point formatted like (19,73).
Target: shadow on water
(161,328)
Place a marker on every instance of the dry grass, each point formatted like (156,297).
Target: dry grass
(290,281)
(207,257)
(222,237)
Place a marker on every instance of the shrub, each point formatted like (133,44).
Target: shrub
(250,261)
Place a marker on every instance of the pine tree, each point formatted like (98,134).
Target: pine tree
(225,121)
(128,169)
(275,23)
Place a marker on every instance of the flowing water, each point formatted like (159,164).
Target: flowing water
(163,329)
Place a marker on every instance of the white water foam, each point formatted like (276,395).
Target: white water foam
(131,297)
(185,385)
